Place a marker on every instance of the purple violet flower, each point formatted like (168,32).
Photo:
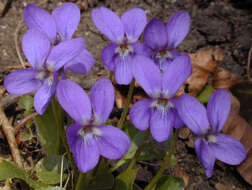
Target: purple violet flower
(58,27)
(88,137)
(207,124)
(163,39)
(123,33)
(46,67)
(160,111)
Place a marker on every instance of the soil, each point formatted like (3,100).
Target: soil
(226,23)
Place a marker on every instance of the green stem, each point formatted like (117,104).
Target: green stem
(167,161)
(83,180)
(61,134)
(126,106)
(80,181)
(139,150)
(57,118)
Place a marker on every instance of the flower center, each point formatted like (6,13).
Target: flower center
(164,54)
(162,104)
(163,101)
(124,50)
(161,58)
(44,74)
(211,138)
(88,130)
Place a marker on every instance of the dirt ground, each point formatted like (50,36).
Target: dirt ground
(226,23)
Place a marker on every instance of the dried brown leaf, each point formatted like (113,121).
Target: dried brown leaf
(223,79)
(239,128)
(178,172)
(119,99)
(204,63)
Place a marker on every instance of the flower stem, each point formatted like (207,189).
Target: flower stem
(139,150)
(57,117)
(61,134)
(83,180)
(167,161)
(126,106)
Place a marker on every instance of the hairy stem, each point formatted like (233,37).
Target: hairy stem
(167,161)
(126,106)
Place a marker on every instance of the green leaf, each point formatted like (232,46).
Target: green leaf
(125,180)
(9,170)
(205,94)
(171,183)
(243,91)
(47,130)
(137,138)
(26,102)
(48,169)
(102,181)
(152,150)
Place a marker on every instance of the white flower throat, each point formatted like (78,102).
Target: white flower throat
(124,50)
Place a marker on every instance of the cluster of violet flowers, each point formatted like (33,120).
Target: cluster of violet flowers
(155,64)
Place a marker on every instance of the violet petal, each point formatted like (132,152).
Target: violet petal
(44,94)
(123,69)
(155,34)
(67,18)
(82,63)
(113,143)
(177,28)
(36,47)
(205,155)
(39,19)
(72,134)
(22,81)
(86,153)
(193,114)
(228,149)
(147,75)
(140,114)
(218,109)
(109,24)
(134,21)
(176,74)
(161,124)
(64,52)
(74,101)
(141,49)
(102,98)
(108,56)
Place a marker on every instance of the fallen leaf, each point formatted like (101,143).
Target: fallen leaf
(178,172)
(224,79)
(184,133)
(220,186)
(204,62)
(119,99)
(239,128)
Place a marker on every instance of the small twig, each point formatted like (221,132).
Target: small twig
(24,121)
(248,65)
(16,66)
(10,135)
(68,178)
(16,43)
(61,169)
(10,99)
